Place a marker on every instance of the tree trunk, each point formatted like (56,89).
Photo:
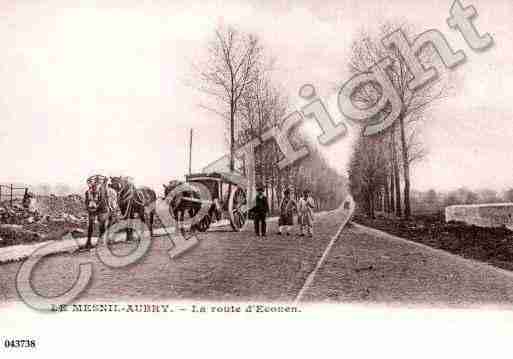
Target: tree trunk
(392,191)
(396,175)
(279,186)
(272,193)
(406,170)
(371,206)
(232,135)
(398,206)
(386,196)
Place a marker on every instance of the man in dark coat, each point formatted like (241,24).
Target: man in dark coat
(97,207)
(261,210)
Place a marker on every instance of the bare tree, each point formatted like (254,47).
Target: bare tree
(366,51)
(263,106)
(394,161)
(233,58)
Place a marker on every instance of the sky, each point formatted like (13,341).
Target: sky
(108,86)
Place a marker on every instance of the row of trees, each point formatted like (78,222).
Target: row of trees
(377,173)
(238,77)
(380,168)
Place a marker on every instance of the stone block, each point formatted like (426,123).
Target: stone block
(482,215)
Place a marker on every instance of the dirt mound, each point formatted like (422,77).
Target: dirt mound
(55,206)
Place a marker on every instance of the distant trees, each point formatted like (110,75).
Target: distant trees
(431,198)
(327,186)
(230,68)
(433,201)
(489,196)
(44,189)
(62,189)
(237,77)
(368,172)
(403,146)
(508,195)
(263,106)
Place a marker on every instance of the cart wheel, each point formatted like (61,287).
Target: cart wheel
(237,208)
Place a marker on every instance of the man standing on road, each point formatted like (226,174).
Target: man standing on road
(97,207)
(305,208)
(261,210)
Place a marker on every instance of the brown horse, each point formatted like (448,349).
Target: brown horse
(132,201)
(179,203)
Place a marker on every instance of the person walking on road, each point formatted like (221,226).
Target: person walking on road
(306,219)
(287,208)
(261,210)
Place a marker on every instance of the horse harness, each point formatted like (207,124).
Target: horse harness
(95,201)
(131,195)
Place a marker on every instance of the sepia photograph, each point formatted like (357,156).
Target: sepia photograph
(267,177)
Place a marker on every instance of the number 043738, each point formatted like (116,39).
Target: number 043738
(19,343)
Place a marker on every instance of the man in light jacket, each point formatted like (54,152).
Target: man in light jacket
(306,206)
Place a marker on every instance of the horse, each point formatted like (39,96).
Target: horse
(179,204)
(96,201)
(132,200)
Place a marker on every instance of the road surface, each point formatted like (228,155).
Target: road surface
(362,266)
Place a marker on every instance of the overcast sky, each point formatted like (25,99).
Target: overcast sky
(103,87)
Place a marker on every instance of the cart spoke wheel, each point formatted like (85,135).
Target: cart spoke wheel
(237,208)
(204,223)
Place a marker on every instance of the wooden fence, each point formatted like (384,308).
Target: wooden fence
(10,192)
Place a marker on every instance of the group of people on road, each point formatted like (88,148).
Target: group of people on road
(288,207)
(101,201)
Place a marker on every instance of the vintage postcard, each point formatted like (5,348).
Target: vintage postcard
(278,178)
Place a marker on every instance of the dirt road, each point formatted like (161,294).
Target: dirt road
(225,266)
(362,266)
(372,267)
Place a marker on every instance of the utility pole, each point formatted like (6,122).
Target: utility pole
(190,153)
(232,140)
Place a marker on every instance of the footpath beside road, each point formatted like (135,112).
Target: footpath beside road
(370,266)
(69,244)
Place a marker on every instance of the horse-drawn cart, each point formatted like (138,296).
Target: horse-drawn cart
(228,199)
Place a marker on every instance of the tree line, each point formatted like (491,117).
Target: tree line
(238,76)
(380,168)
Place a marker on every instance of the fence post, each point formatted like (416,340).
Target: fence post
(11,194)
(0,193)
